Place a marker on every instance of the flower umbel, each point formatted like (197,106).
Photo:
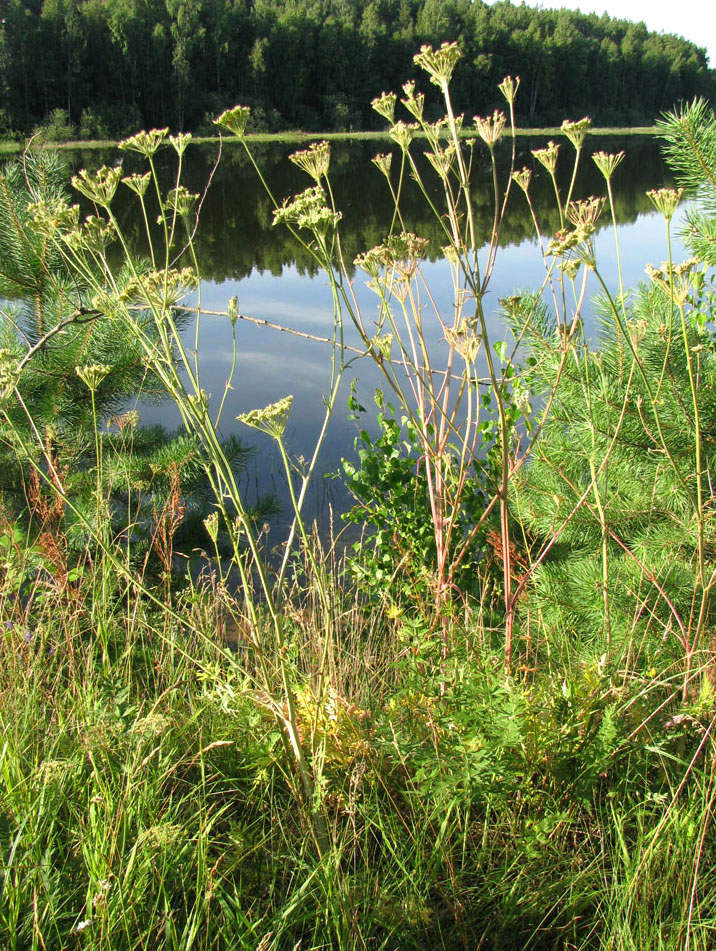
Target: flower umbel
(547,156)
(271,419)
(523,179)
(585,214)
(146,143)
(180,142)
(308,210)
(93,374)
(403,133)
(384,105)
(382,162)
(99,186)
(314,160)
(576,132)
(491,127)
(508,87)
(414,104)
(234,120)
(607,162)
(138,183)
(438,64)
(666,200)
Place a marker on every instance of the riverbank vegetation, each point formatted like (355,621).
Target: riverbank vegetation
(488,724)
(107,69)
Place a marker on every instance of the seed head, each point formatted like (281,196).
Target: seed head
(508,87)
(138,183)
(414,104)
(585,214)
(234,120)
(93,374)
(383,162)
(384,105)
(547,156)
(271,419)
(442,159)
(180,142)
(666,200)
(607,163)
(52,215)
(314,160)
(98,186)
(523,179)
(146,143)
(576,132)
(403,134)
(491,128)
(308,210)
(438,64)
(181,201)
(463,339)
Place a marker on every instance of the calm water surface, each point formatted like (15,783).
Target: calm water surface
(241,254)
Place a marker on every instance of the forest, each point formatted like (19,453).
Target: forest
(108,68)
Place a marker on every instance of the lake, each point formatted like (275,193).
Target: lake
(241,254)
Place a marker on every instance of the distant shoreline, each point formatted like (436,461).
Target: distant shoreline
(10,147)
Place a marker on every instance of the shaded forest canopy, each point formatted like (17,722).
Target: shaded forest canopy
(109,67)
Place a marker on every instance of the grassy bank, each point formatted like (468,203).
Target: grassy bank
(11,147)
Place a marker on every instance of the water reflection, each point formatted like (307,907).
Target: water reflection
(240,253)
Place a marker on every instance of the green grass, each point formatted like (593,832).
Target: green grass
(11,147)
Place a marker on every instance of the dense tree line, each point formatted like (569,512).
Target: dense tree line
(107,67)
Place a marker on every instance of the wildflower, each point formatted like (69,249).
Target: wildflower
(160,289)
(152,725)
(234,120)
(82,925)
(565,241)
(271,419)
(463,339)
(576,132)
(53,215)
(232,310)
(547,156)
(438,64)
(146,143)
(93,236)
(675,280)
(508,87)
(180,142)
(180,201)
(666,200)
(211,524)
(491,127)
(381,345)
(404,251)
(384,105)
(403,133)
(308,210)
(523,179)
(164,835)
(383,162)
(607,163)
(371,261)
(99,186)
(414,104)
(314,160)
(442,159)
(93,374)
(585,214)
(138,183)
